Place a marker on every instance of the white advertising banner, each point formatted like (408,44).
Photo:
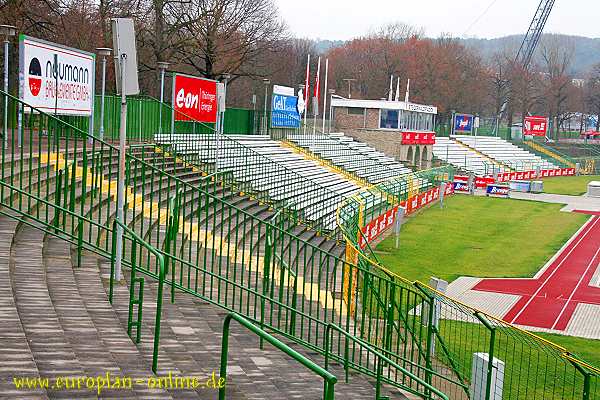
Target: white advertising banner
(56,79)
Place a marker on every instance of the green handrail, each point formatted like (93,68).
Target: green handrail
(380,359)
(161,280)
(329,380)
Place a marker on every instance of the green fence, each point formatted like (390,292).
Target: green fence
(534,368)
(146,116)
(65,183)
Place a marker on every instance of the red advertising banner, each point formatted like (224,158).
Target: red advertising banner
(527,175)
(418,138)
(195,99)
(535,126)
(378,225)
(374,228)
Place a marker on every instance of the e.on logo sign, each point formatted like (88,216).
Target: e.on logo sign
(194,99)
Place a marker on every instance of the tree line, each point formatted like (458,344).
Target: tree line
(248,40)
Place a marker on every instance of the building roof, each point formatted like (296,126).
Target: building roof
(337,101)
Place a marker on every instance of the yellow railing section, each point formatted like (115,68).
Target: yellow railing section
(548,152)
(490,159)
(152,210)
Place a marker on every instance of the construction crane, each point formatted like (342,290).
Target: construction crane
(529,44)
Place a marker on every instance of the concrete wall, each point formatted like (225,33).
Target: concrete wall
(390,143)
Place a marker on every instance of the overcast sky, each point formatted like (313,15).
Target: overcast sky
(345,19)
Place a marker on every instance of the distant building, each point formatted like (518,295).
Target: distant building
(399,129)
(578,82)
(383,115)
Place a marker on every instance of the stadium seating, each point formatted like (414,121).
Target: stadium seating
(353,156)
(462,157)
(507,153)
(269,158)
(57,320)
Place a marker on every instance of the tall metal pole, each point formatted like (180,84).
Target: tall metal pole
(5,133)
(265,123)
(162,65)
(331,93)
(102,98)
(162,97)
(104,52)
(121,181)
(221,121)
(325,92)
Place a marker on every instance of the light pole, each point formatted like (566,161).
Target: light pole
(7,31)
(162,66)
(103,52)
(331,93)
(221,119)
(349,80)
(266,82)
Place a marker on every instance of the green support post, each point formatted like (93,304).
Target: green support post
(490,366)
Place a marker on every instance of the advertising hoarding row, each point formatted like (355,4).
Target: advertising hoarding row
(383,222)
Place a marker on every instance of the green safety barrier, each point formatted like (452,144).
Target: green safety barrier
(213,249)
(534,367)
(329,380)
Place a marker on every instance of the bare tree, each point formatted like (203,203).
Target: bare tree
(556,56)
(229,36)
(592,94)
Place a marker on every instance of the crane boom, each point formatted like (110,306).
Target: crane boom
(529,44)
(534,33)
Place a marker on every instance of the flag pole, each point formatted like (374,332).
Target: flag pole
(397,90)
(325,92)
(316,102)
(307,91)
(391,88)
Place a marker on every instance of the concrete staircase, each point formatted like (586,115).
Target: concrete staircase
(56,320)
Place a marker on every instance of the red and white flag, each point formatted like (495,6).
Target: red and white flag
(317,89)
(307,84)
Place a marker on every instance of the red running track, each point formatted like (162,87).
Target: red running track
(549,301)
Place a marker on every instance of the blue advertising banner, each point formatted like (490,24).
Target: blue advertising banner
(463,123)
(284,111)
(497,190)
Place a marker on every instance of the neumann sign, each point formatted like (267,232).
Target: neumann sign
(56,79)
(194,99)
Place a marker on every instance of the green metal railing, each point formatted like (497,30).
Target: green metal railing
(302,199)
(329,380)
(135,244)
(215,249)
(534,367)
(381,359)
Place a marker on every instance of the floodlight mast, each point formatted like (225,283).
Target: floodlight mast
(529,44)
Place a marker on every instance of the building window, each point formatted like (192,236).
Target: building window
(356,111)
(388,119)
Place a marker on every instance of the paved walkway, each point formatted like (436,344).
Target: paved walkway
(571,202)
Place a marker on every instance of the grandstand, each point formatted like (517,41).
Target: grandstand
(247,227)
(486,155)
(463,157)
(351,155)
(507,153)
